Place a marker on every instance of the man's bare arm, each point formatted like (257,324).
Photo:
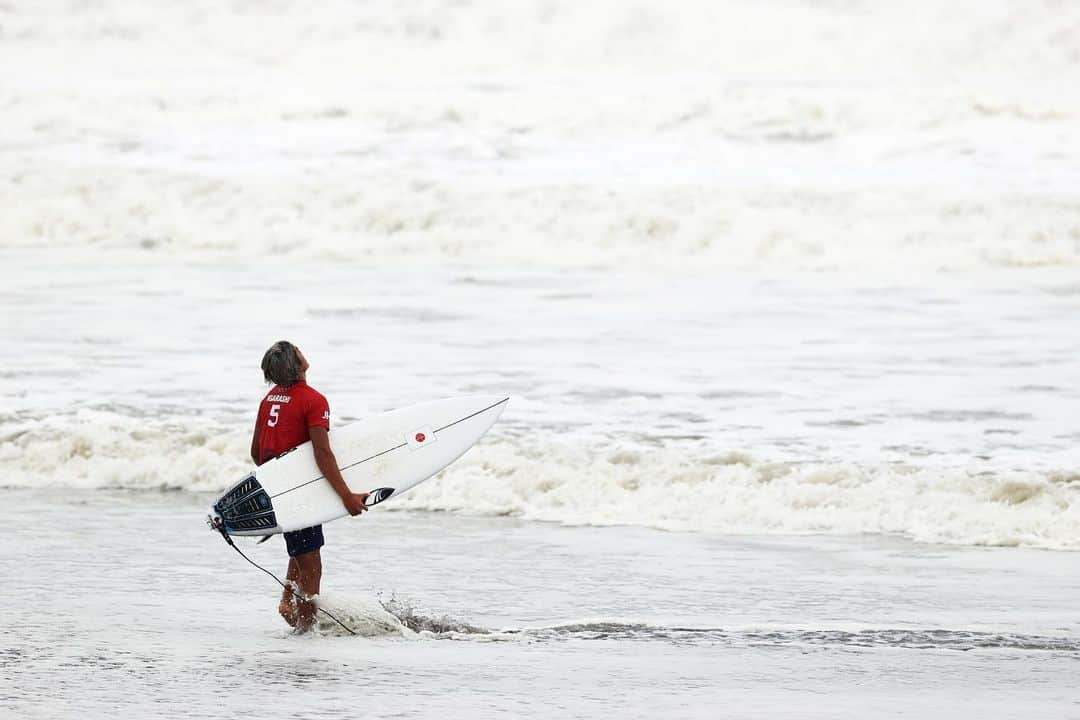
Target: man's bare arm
(324,458)
(255,449)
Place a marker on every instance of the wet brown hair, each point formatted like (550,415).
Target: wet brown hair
(281,364)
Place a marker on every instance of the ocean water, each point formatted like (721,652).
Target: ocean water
(785,296)
(121,604)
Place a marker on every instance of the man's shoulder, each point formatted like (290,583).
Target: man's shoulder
(312,392)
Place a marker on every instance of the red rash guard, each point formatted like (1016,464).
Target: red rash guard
(285,415)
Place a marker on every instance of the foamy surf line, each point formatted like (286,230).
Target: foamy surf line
(913,639)
(398,618)
(568,481)
(800,229)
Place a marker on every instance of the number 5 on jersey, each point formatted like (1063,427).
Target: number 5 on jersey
(272,420)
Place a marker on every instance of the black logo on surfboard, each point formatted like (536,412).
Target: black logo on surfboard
(377,496)
(245,507)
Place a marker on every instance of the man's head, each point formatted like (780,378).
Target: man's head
(284,364)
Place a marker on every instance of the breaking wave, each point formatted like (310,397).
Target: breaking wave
(686,488)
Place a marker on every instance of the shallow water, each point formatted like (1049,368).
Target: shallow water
(132,605)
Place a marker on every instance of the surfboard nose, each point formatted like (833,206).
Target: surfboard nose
(485,403)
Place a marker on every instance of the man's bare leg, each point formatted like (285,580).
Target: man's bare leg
(309,576)
(287,607)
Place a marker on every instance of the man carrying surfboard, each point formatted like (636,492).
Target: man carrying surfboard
(291,414)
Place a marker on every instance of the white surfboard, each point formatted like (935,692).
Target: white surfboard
(384,455)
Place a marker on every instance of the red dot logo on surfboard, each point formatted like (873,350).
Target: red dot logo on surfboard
(420,437)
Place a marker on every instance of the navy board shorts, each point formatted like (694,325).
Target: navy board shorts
(301,542)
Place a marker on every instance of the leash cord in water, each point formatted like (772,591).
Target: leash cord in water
(279,582)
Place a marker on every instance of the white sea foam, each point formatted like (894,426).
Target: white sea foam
(675,488)
(732,493)
(98,449)
(361,616)
(693,135)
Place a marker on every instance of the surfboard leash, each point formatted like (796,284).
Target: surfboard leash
(296,591)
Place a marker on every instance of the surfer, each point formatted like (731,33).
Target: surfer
(292,413)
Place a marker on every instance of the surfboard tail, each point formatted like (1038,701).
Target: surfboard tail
(244,509)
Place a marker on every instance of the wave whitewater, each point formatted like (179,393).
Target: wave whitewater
(680,228)
(685,137)
(687,489)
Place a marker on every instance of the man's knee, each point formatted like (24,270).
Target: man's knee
(309,561)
